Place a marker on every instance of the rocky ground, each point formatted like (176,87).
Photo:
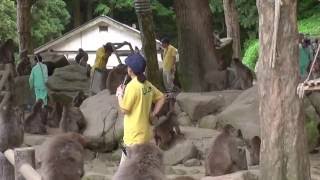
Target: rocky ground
(200,115)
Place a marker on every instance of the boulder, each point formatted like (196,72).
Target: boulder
(53,61)
(184,119)
(192,162)
(202,138)
(209,122)
(198,105)
(180,153)
(104,121)
(67,81)
(243,113)
(240,175)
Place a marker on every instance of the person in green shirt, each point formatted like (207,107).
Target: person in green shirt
(38,79)
(304,59)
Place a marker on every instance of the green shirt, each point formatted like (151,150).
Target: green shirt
(38,76)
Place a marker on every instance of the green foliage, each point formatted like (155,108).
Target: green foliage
(49,19)
(8,20)
(251,54)
(123,11)
(310,25)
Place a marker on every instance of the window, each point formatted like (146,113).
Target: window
(103,28)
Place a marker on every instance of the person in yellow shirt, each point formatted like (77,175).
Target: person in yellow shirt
(135,101)
(98,71)
(169,62)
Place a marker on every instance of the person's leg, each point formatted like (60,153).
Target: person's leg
(168,80)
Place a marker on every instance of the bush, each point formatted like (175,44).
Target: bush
(251,54)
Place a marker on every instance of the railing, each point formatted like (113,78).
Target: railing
(18,164)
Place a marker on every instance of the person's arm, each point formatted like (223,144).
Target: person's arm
(157,107)
(126,99)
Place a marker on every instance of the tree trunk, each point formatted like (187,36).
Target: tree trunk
(23,25)
(197,52)
(148,38)
(284,145)
(233,27)
(76,13)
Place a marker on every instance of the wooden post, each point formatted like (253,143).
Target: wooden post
(23,156)
(23,25)
(6,169)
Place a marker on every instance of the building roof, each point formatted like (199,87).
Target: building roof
(89,24)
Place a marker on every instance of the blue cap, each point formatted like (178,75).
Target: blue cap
(136,62)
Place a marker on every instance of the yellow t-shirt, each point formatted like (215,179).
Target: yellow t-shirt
(137,100)
(168,57)
(101,59)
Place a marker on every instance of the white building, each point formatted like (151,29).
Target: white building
(93,35)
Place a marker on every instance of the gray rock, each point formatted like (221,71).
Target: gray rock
(169,170)
(65,82)
(243,113)
(200,137)
(104,121)
(180,172)
(184,119)
(192,162)
(199,105)
(209,122)
(240,175)
(179,153)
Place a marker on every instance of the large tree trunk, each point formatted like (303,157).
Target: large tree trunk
(23,25)
(197,52)
(284,144)
(148,38)
(233,27)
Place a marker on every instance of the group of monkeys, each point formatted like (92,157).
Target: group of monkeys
(63,157)
(67,117)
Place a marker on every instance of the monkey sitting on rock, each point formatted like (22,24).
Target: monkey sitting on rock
(144,162)
(253,147)
(227,153)
(166,127)
(63,157)
(72,120)
(35,123)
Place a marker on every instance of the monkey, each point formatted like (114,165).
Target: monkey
(115,77)
(11,128)
(144,161)
(168,126)
(227,153)
(184,178)
(78,99)
(72,120)
(244,75)
(7,52)
(35,123)
(62,157)
(253,147)
(54,115)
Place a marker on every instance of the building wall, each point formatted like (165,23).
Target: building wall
(92,39)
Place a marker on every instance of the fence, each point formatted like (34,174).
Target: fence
(18,164)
